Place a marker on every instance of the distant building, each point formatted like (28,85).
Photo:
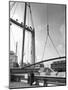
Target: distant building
(47,70)
(13,59)
(37,66)
(41,65)
(59,66)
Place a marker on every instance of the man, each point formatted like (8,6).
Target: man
(31,77)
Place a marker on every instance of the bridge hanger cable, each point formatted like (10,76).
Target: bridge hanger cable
(46,36)
(44,47)
(49,34)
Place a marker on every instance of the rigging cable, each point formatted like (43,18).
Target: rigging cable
(12,6)
(28,36)
(31,16)
(13,38)
(31,20)
(14,10)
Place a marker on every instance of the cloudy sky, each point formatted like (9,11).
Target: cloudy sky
(42,14)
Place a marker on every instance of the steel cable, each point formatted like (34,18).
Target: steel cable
(12,6)
(54,45)
(14,10)
(44,48)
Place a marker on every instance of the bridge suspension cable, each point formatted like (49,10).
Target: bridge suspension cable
(48,35)
(44,47)
(54,45)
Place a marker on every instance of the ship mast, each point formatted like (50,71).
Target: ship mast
(24,33)
(31,30)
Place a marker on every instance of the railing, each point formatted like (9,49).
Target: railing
(50,80)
